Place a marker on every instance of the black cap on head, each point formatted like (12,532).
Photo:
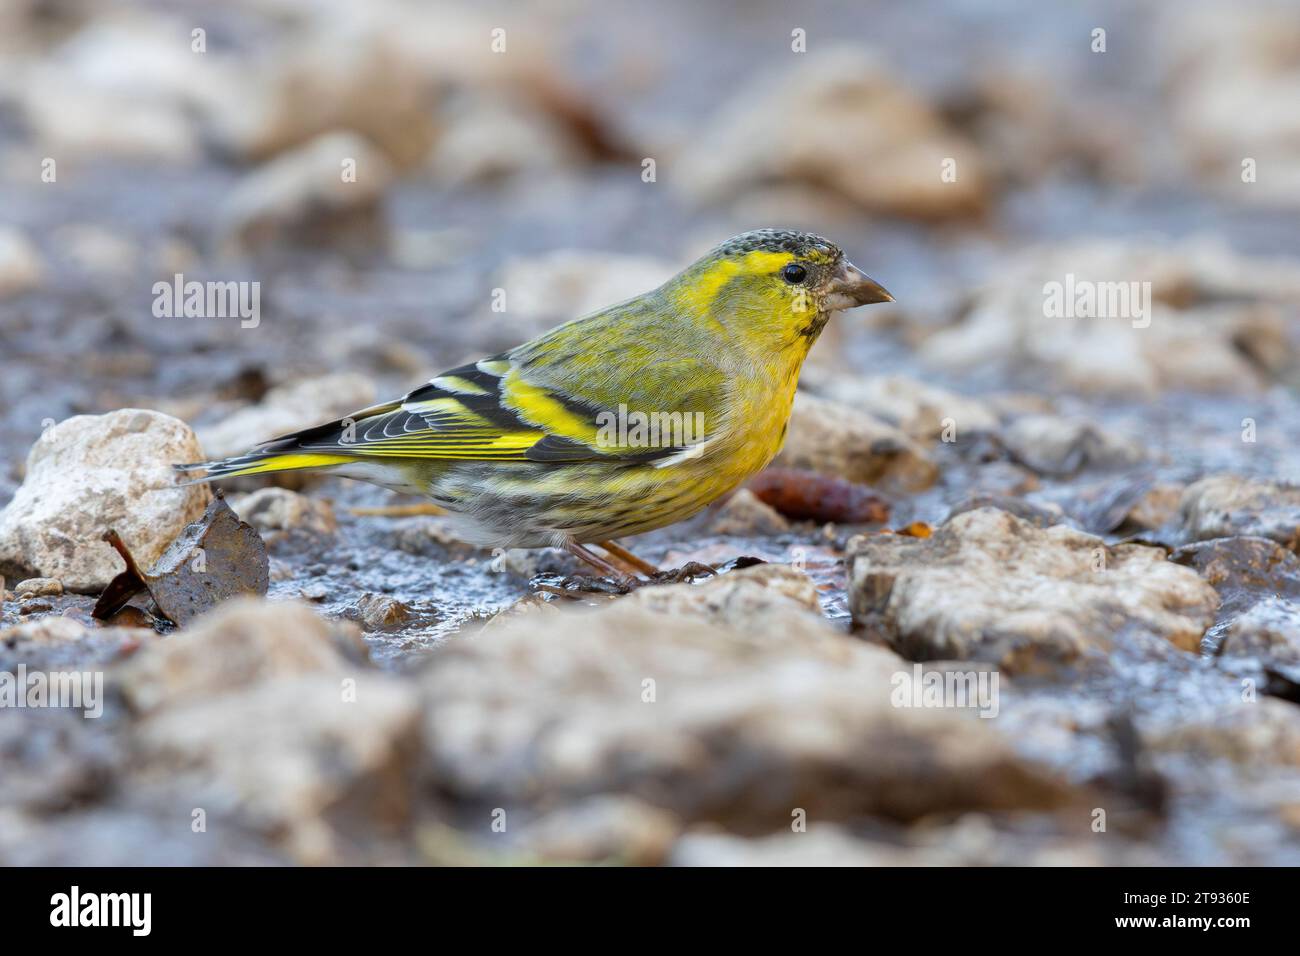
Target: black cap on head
(801,244)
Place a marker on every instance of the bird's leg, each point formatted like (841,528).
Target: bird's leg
(599,563)
(687,572)
(627,557)
(401,511)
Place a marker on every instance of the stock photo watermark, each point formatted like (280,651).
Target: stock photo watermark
(634,429)
(208,300)
(1077,298)
(130,910)
(80,690)
(935,689)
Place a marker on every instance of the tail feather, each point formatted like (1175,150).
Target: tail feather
(258,463)
(287,452)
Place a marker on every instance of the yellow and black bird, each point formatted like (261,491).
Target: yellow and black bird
(619,422)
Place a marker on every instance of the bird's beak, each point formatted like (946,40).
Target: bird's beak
(851,287)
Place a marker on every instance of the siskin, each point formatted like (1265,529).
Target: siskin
(617,423)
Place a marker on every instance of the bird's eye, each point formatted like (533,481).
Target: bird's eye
(794,273)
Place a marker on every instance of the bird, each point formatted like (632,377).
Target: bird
(619,422)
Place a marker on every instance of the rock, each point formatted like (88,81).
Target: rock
(528,606)
(1078,316)
(989,586)
(328,191)
(819,845)
(93,473)
(1243,570)
(315,591)
(1226,348)
(382,611)
(351,69)
(1039,515)
(121,85)
(997,479)
(1014,404)
(1259,734)
(746,599)
(840,121)
(974,839)
(1223,68)
(1270,629)
(695,720)
(1035,123)
(401,76)
(1225,505)
(604,829)
(1156,509)
(38,587)
(279,509)
(287,408)
(54,761)
(56,643)
(924,412)
(491,138)
(97,251)
(1102,505)
(243,641)
(45,630)
(300,759)
(1061,447)
(837,440)
(21,268)
(743,515)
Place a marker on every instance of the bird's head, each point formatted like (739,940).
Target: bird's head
(774,283)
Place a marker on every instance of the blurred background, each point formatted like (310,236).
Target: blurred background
(385,170)
(206,140)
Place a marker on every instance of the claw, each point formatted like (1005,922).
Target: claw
(687,573)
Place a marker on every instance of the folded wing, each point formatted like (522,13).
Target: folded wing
(509,407)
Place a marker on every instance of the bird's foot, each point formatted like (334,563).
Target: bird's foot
(614,581)
(688,573)
(573,585)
